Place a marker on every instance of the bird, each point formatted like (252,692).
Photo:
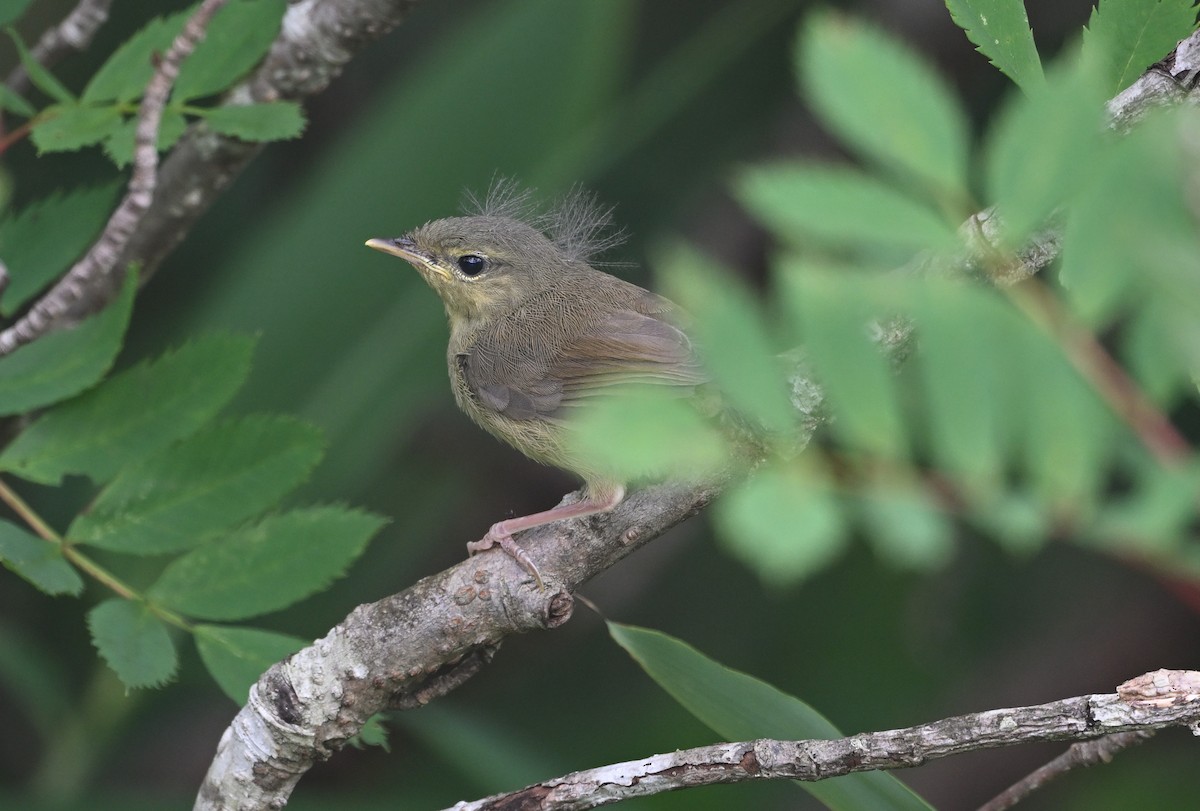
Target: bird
(537,332)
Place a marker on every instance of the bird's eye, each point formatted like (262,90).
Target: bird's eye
(470,264)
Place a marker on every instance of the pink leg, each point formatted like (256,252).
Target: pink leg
(501,532)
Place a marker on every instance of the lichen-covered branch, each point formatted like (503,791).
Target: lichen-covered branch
(1080,718)
(414,646)
(74,33)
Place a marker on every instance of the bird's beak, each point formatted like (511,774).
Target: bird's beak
(407,250)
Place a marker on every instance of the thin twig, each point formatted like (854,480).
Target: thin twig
(1081,718)
(1087,753)
(74,33)
(101,260)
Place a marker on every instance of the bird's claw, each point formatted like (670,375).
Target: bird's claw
(498,536)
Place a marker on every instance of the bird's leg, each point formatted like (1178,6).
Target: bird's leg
(502,531)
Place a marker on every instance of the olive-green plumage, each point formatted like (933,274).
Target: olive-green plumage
(535,331)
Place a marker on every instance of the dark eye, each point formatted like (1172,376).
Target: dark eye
(470,264)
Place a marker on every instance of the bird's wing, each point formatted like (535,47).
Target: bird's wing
(636,343)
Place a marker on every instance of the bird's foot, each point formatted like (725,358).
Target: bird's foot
(498,535)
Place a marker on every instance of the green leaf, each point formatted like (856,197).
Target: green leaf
(13,102)
(647,433)
(732,338)
(971,404)
(740,707)
(132,415)
(910,123)
(270,121)
(133,641)
(119,145)
(237,38)
(906,528)
(261,568)
(67,127)
(44,237)
(1000,31)
(217,477)
(839,205)
(124,76)
(1042,147)
(38,561)
(41,78)
(1131,35)
(835,313)
(236,657)
(12,10)
(1016,520)
(783,523)
(64,363)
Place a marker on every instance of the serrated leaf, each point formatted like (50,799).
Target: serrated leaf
(38,561)
(261,568)
(12,10)
(237,38)
(733,341)
(119,145)
(132,415)
(124,75)
(269,121)
(1130,35)
(740,707)
(1043,147)
(39,77)
(67,127)
(13,102)
(835,313)
(783,523)
(646,434)
(44,237)
(214,479)
(133,642)
(1000,31)
(236,657)
(910,123)
(841,206)
(64,363)
(905,527)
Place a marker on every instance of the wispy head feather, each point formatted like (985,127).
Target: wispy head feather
(576,223)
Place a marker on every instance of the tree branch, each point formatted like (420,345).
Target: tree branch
(74,33)
(1081,718)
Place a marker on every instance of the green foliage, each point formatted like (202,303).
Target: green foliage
(272,121)
(1006,412)
(105,113)
(40,563)
(41,78)
(12,10)
(134,642)
(739,707)
(839,206)
(910,124)
(176,480)
(136,413)
(216,478)
(255,569)
(36,252)
(1133,34)
(65,363)
(236,657)
(1000,31)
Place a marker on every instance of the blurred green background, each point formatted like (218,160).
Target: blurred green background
(653,105)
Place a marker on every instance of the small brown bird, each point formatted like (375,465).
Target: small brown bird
(536,332)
